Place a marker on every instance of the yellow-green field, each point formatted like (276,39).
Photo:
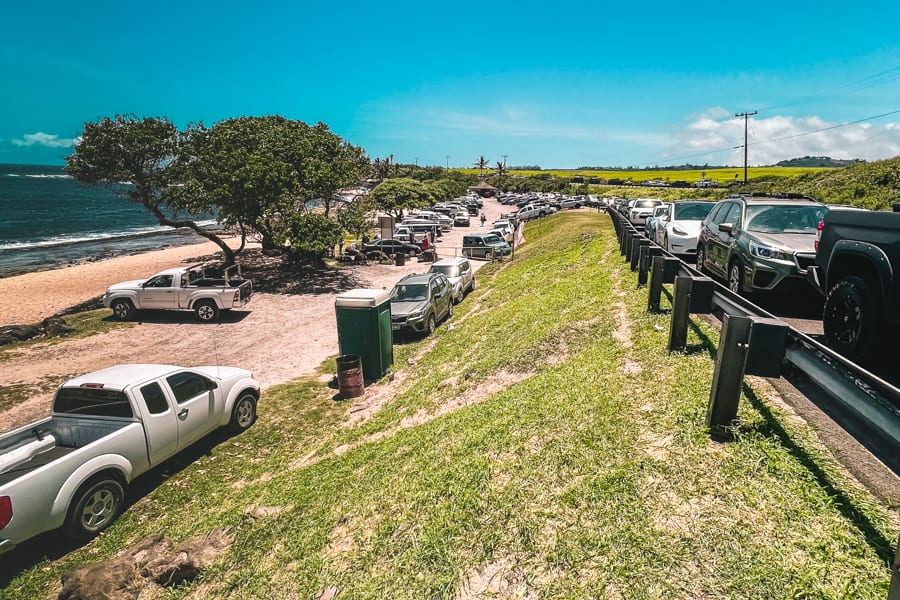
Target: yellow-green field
(722,176)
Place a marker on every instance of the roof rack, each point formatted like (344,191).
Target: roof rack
(779,195)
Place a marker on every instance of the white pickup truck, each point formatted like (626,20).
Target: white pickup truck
(106,428)
(183,288)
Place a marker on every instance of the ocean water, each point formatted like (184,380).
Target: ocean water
(48,219)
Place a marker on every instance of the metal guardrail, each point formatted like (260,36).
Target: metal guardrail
(863,404)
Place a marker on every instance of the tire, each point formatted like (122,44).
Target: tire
(432,325)
(94,507)
(736,277)
(701,258)
(472,286)
(243,414)
(123,310)
(852,317)
(449,311)
(207,311)
(666,243)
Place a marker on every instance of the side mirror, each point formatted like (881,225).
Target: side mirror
(726,227)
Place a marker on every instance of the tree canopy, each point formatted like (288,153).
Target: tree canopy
(396,195)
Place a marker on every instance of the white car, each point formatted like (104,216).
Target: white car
(641,209)
(459,273)
(677,230)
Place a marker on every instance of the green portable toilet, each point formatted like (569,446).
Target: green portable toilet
(364,328)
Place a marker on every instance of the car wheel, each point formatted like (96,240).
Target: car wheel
(96,505)
(243,415)
(207,311)
(701,259)
(472,285)
(432,325)
(666,243)
(852,317)
(123,310)
(449,310)
(736,277)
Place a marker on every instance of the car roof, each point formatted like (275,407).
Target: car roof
(120,376)
(785,199)
(456,260)
(422,278)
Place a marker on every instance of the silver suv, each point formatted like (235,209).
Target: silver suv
(418,302)
(459,273)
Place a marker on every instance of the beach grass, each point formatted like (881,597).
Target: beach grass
(83,324)
(542,443)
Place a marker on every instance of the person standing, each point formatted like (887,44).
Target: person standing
(483,219)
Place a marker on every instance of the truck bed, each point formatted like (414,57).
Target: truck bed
(38,461)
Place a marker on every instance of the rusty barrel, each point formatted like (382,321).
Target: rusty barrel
(350,376)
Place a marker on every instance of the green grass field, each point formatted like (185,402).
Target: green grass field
(542,444)
(721,176)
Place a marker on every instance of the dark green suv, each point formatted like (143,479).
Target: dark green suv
(418,302)
(760,243)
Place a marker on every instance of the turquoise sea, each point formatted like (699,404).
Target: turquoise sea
(48,219)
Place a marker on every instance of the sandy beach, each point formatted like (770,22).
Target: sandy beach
(277,336)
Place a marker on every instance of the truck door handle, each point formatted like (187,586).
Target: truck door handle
(183,414)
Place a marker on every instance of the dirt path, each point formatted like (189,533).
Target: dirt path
(279,336)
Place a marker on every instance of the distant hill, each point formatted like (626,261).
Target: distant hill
(874,185)
(818,161)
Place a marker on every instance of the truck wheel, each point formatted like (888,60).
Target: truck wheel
(123,310)
(852,317)
(207,311)
(243,415)
(95,506)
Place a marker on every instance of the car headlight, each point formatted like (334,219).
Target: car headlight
(768,252)
(416,315)
(678,230)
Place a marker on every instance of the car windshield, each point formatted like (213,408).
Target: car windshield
(692,211)
(410,292)
(784,219)
(492,239)
(448,270)
(646,203)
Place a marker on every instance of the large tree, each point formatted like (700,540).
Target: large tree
(396,195)
(261,171)
(140,151)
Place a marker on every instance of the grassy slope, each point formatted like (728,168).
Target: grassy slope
(580,478)
(722,175)
(872,185)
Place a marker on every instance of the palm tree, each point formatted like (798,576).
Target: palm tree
(501,170)
(481,165)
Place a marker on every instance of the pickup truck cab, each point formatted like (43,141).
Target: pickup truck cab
(183,288)
(70,470)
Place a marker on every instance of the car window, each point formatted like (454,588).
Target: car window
(410,292)
(448,270)
(160,281)
(154,398)
(726,213)
(96,401)
(787,219)
(187,385)
(692,212)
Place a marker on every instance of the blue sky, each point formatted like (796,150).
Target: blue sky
(566,85)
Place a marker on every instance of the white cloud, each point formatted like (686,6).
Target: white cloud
(716,136)
(48,140)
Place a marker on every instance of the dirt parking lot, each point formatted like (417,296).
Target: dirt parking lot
(279,336)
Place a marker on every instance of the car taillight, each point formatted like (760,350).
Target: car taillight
(5,511)
(819,233)
(237,295)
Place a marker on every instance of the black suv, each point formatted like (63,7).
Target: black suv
(418,302)
(760,243)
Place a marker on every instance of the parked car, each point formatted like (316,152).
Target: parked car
(461,219)
(857,269)
(419,301)
(760,243)
(182,288)
(458,271)
(679,227)
(650,225)
(484,245)
(70,470)
(391,247)
(504,234)
(641,209)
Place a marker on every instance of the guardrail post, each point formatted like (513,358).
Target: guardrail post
(636,245)
(768,338)
(670,269)
(626,242)
(647,254)
(681,311)
(731,359)
(894,591)
(656,283)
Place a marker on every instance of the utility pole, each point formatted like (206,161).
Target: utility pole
(746,115)
(504,159)
(448,163)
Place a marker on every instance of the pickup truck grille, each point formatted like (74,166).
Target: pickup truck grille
(804,260)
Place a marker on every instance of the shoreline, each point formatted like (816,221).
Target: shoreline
(33,296)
